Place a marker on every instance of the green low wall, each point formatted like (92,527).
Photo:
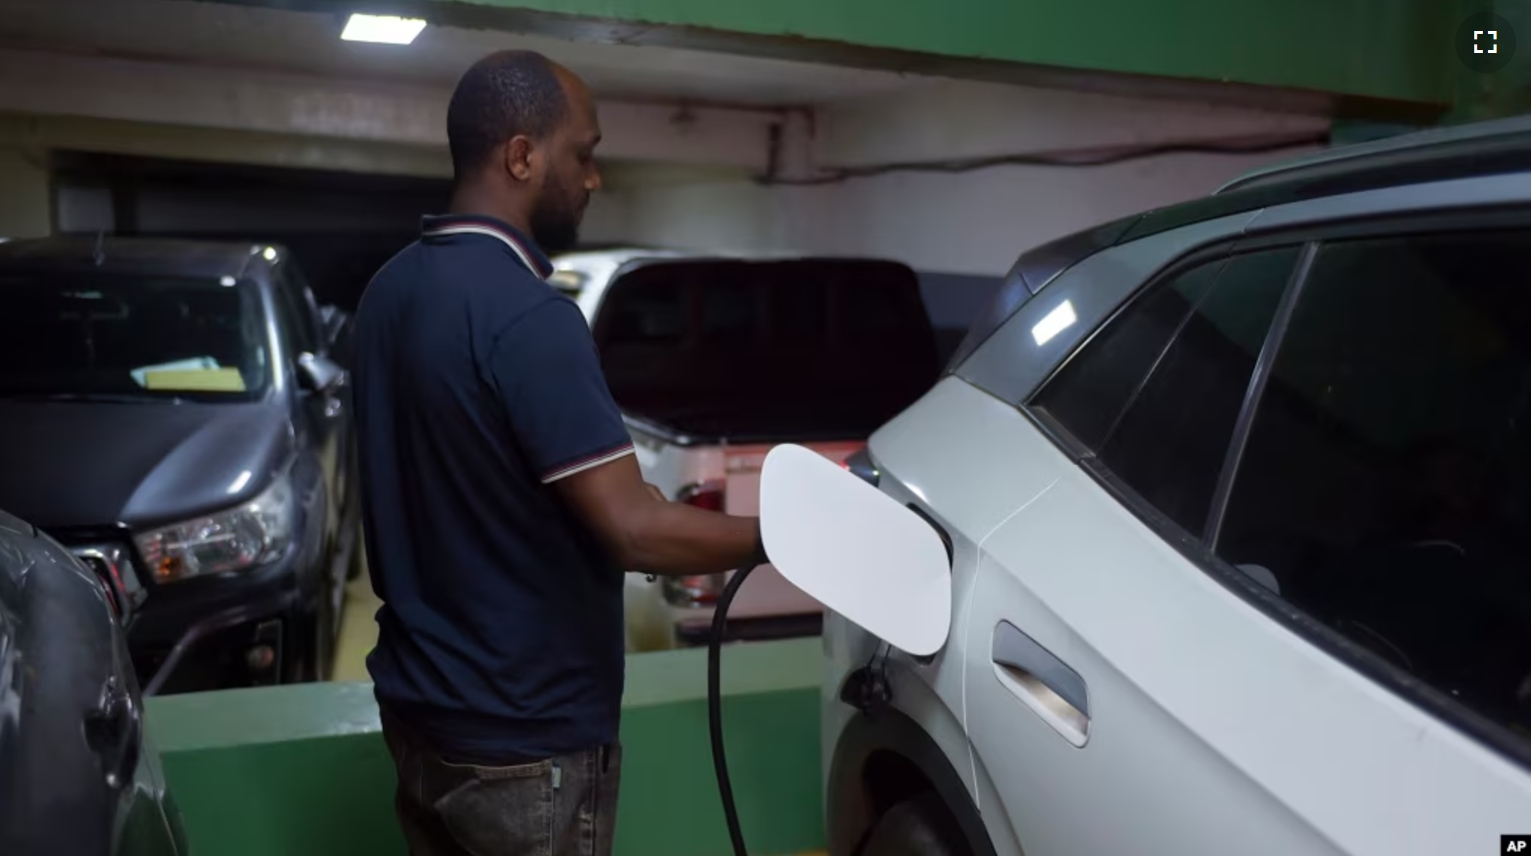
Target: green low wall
(302,769)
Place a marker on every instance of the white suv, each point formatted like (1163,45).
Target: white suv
(1236,501)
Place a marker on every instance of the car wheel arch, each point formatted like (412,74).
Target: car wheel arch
(883,758)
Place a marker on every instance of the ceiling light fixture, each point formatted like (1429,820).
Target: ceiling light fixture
(382,29)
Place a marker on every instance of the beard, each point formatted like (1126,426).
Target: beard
(555,222)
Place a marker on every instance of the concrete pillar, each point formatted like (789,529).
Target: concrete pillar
(25,204)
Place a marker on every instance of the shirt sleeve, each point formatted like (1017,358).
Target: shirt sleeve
(547,371)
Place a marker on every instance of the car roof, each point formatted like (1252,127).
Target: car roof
(1434,144)
(1496,151)
(172,256)
(1497,148)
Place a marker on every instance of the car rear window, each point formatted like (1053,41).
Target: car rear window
(767,350)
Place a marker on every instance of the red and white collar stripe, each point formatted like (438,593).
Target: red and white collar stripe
(471,227)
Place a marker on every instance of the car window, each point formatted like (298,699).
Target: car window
(1384,485)
(308,307)
(1089,391)
(771,350)
(799,309)
(118,333)
(1197,335)
(647,312)
(296,322)
(731,311)
(1170,443)
(868,313)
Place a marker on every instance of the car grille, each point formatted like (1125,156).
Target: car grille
(114,563)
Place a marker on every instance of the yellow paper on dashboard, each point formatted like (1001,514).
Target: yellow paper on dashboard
(195,380)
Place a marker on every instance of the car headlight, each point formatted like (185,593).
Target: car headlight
(243,537)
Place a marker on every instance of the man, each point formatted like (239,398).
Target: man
(501,500)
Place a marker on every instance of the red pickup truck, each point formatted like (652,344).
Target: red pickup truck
(715,360)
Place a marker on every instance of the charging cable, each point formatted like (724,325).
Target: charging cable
(715,722)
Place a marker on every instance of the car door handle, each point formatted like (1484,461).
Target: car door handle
(1042,681)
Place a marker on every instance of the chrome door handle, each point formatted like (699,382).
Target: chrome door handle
(1042,681)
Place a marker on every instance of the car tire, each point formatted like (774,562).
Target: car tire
(917,827)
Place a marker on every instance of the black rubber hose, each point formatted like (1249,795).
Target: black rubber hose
(715,720)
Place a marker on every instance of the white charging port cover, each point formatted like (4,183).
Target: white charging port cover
(855,550)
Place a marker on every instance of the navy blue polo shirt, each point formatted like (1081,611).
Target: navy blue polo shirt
(477,386)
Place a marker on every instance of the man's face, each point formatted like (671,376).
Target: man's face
(570,174)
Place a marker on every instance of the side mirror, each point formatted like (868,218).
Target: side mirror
(318,374)
(856,550)
(333,319)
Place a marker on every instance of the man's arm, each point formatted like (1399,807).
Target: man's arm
(548,373)
(647,534)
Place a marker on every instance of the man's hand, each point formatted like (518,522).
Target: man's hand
(648,534)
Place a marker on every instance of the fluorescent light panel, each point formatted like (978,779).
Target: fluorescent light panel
(382,29)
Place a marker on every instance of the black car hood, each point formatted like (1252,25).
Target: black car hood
(88,464)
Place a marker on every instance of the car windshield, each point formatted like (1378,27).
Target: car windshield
(128,336)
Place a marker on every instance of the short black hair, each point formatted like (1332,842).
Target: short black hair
(506,94)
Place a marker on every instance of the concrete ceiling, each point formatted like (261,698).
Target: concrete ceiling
(225,36)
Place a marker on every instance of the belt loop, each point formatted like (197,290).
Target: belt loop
(606,755)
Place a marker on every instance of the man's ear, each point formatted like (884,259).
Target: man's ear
(519,156)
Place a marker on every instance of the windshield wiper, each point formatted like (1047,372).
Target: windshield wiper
(104,397)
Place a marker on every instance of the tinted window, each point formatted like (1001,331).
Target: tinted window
(799,308)
(114,334)
(1089,391)
(731,310)
(308,307)
(1156,394)
(651,312)
(767,350)
(301,336)
(868,313)
(1170,443)
(1385,481)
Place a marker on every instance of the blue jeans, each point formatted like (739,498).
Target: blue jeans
(565,806)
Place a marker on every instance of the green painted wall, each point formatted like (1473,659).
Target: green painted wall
(1502,93)
(1383,54)
(303,770)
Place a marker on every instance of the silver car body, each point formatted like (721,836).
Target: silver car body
(1214,725)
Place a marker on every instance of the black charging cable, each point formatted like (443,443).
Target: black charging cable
(715,720)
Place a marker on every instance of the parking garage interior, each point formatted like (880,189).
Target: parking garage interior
(920,150)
